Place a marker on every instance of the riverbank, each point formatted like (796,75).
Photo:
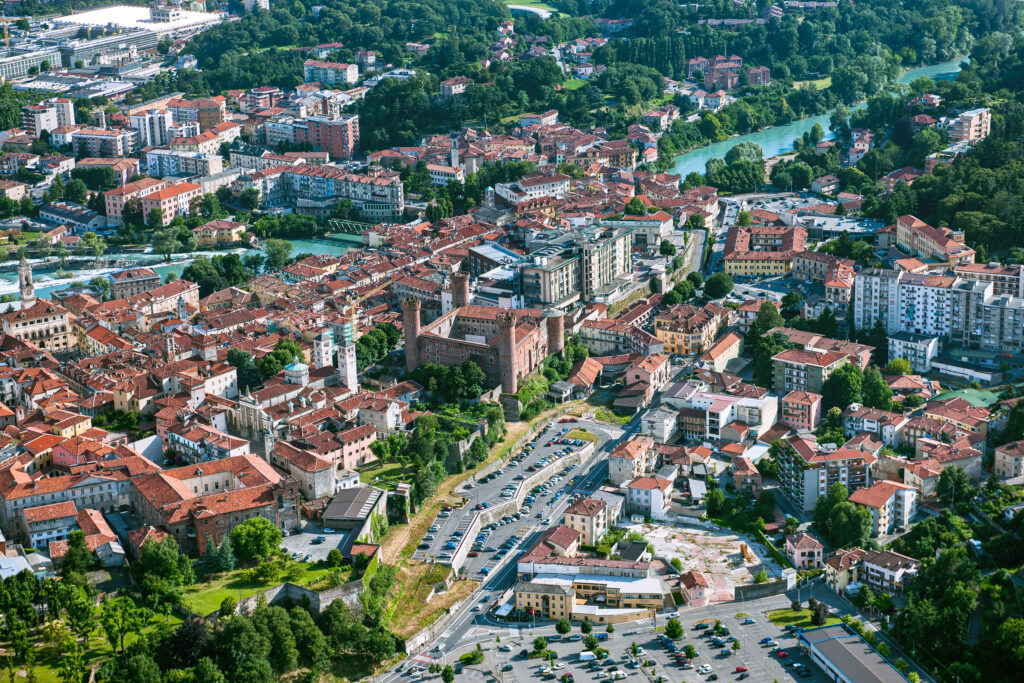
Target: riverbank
(779,139)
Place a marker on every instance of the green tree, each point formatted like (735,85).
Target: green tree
(953,485)
(162,572)
(667,248)
(898,366)
(586,627)
(849,525)
(250,198)
(876,391)
(101,285)
(448,674)
(255,539)
(120,617)
(635,207)
(674,629)
(76,191)
(276,253)
(718,285)
(274,624)
(843,387)
(539,644)
(78,557)
(563,626)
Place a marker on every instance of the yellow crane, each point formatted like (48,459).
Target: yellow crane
(5,21)
(353,311)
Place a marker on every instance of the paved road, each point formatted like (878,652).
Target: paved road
(479,492)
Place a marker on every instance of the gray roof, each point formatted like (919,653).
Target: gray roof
(850,654)
(354,504)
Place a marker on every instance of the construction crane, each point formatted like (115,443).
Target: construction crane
(5,21)
(353,310)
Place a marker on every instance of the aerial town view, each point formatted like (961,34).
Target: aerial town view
(487,341)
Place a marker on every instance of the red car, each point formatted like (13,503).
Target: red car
(740,669)
(783,653)
(447,508)
(474,553)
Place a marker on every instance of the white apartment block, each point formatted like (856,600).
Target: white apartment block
(916,349)
(892,505)
(876,297)
(925,303)
(154,126)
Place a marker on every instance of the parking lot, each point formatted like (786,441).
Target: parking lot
(653,660)
(451,525)
(305,546)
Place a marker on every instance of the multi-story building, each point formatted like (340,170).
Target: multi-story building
(533,186)
(207,111)
(589,517)
(172,201)
(687,330)
(171,162)
(886,425)
(1009,460)
(917,238)
(801,410)
(126,283)
(51,522)
(441,174)
(733,418)
(104,142)
(118,198)
(551,280)
(38,321)
(219,232)
(876,296)
(797,370)
(916,349)
(263,97)
(887,571)
(339,137)
(971,126)
(606,262)
(453,87)
(807,469)
(1006,279)
(745,475)
(649,497)
(762,250)
(47,115)
(892,505)
(983,320)
(329,73)
(631,459)
(925,303)
(154,126)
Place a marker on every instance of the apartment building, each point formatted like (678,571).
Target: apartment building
(892,505)
(170,162)
(104,142)
(207,111)
(876,297)
(127,283)
(917,238)
(41,322)
(1009,460)
(533,186)
(654,370)
(971,126)
(762,250)
(588,517)
(884,571)
(339,137)
(172,201)
(649,497)
(155,127)
(807,469)
(117,198)
(984,320)
(687,330)
(917,349)
(801,410)
(734,418)
(745,475)
(886,425)
(47,115)
(1006,279)
(551,280)
(219,232)
(46,523)
(797,370)
(631,459)
(329,73)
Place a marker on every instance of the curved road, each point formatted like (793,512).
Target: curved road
(542,13)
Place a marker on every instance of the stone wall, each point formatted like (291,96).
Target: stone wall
(290,593)
(760,590)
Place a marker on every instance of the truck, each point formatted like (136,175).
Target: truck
(587,656)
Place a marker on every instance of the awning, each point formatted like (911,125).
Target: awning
(504,610)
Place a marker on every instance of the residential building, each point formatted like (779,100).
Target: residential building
(127,283)
(46,523)
(688,330)
(807,469)
(453,87)
(887,571)
(339,137)
(650,497)
(726,348)
(155,127)
(219,232)
(172,201)
(654,370)
(804,551)
(801,410)
(761,250)
(971,126)
(589,517)
(917,238)
(887,426)
(983,320)
(876,297)
(1009,460)
(330,73)
(533,186)
(176,162)
(745,476)
(917,349)
(892,505)
(631,459)
(806,371)
(41,322)
(119,197)
(104,142)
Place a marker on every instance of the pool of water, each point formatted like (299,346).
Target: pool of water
(779,140)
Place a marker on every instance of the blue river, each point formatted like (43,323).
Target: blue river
(779,140)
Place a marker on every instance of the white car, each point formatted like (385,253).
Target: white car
(559,665)
(704,669)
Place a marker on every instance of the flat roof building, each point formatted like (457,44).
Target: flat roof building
(845,656)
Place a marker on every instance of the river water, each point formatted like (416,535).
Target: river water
(9,280)
(779,140)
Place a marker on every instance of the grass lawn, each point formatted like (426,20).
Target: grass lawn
(97,651)
(604,414)
(800,618)
(205,598)
(411,611)
(385,477)
(574,83)
(820,83)
(535,3)
(582,434)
